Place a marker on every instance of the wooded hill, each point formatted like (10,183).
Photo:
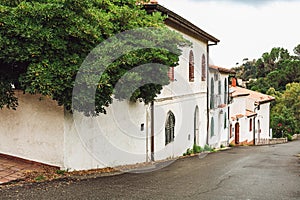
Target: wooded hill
(277,73)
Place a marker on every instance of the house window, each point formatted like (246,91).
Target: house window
(171,73)
(212,127)
(203,68)
(191,67)
(212,92)
(170,128)
(219,87)
(250,124)
(225,91)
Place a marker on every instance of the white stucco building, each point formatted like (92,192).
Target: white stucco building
(249,116)
(130,132)
(218,106)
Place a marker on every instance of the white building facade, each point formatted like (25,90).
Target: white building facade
(249,117)
(130,132)
(218,106)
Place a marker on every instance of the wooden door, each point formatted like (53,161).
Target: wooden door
(237,133)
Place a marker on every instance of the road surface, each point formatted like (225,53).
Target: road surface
(247,173)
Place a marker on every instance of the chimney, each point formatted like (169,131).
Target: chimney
(233,82)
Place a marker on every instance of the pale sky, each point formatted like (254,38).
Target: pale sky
(246,29)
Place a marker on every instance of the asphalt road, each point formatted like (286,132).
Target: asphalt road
(248,173)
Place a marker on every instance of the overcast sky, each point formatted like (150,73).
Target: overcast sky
(246,28)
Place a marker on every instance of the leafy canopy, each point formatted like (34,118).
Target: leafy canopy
(285,114)
(44,42)
(277,73)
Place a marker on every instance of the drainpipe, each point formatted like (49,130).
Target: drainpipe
(207,94)
(256,107)
(207,91)
(254,129)
(147,134)
(152,130)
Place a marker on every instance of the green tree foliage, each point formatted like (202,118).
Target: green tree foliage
(285,114)
(274,69)
(277,73)
(297,51)
(246,71)
(44,42)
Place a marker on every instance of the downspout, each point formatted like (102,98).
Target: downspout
(147,134)
(256,107)
(254,128)
(152,130)
(207,90)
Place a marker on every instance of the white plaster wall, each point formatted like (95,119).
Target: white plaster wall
(116,138)
(107,140)
(238,106)
(222,79)
(34,131)
(245,134)
(181,85)
(224,129)
(250,104)
(120,140)
(181,97)
(215,139)
(183,109)
(263,115)
(221,134)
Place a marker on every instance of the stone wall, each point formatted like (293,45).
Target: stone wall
(278,140)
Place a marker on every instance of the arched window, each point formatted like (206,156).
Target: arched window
(170,128)
(212,93)
(225,91)
(191,67)
(203,68)
(219,87)
(212,127)
(171,73)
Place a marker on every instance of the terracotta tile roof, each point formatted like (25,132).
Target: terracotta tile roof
(257,96)
(222,70)
(250,113)
(237,116)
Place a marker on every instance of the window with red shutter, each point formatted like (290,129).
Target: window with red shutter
(203,66)
(171,73)
(191,67)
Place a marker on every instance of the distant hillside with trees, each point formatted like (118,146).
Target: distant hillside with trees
(277,73)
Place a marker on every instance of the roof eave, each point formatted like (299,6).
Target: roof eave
(175,18)
(265,101)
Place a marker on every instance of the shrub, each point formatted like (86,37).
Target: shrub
(207,148)
(61,172)
(189,151)
(231,145)
(289,137)
(197,149)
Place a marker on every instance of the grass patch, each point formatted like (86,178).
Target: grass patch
(40,178)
